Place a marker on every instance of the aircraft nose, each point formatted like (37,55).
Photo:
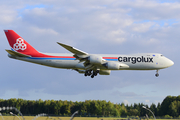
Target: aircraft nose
(170,62)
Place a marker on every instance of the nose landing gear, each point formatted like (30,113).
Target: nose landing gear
(157,74)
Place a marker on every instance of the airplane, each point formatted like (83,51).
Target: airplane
(82,62)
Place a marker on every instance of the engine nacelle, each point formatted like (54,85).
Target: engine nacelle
(112,65)
(104,72)
(94,59)
(115,65)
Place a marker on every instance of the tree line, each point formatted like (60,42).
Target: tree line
(170,107)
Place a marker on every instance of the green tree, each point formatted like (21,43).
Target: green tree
(153,109)
(165,105)
(123,110)
(103,107)
(115,112)
(109,108)
(47,104)
(174,107)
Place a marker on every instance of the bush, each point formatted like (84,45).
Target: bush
(168,117)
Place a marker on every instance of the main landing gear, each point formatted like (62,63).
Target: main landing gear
(91,73)
(157,74)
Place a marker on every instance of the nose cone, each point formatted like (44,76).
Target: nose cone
(171,63)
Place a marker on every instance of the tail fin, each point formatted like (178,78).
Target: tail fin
(18,44)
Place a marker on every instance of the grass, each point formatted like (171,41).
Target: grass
(55,118)
(64,118)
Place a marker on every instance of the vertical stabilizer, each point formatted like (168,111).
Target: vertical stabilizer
(18,44)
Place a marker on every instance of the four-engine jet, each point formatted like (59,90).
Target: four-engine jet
(82,62)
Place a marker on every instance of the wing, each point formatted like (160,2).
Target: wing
(17,54)
(73,50)
(78,54)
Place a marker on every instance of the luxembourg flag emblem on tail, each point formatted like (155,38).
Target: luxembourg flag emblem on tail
(19,45)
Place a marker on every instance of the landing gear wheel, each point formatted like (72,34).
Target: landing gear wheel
(92,76)
(86,73)
(89,72)
(95,74)
(156,74)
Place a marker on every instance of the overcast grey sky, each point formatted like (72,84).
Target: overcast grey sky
(93,26)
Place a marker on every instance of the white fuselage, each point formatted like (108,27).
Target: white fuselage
(143,61)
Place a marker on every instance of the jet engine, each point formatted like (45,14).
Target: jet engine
(94,59)
(115,65)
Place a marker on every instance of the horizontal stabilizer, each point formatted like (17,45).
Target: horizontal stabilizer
(73,50)
(17,54)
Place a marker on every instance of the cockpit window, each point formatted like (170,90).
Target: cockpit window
(161,55)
